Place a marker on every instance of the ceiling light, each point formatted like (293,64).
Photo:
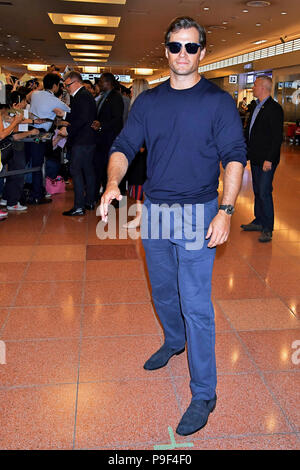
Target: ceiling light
(91,69)
(260,42)
(143,71)
(85,20)
(225,22)
(88,37)
(258,24)
(238,33)
(258,4)
(206,8)
(115,2)
(284,13)
(245,11)
(88,54)
(90,60)
(89,47)
(37,67)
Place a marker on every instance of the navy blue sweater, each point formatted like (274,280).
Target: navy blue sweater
(187,133)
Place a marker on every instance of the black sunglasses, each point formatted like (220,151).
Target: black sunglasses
(69,84)
(190,47)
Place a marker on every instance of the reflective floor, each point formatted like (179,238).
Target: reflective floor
(77,324)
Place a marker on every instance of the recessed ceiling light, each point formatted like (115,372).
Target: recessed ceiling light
(85,20)
(37,67)
(143,71)
(223,40)
(89,47)
(238,33)
(206,8)
(258,3)
(258,24)
(245,11)
(91,60)
(225,22)
(88,37)
(209,32)
(284,13)
(260,42)
(88,54)
(116,2)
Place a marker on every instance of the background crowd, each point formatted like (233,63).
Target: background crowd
(63,129)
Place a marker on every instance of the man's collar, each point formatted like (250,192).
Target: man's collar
(76,91)
(260,103)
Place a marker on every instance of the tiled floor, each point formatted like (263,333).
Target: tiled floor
(77,322)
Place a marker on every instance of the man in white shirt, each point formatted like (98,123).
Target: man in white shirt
(44,105)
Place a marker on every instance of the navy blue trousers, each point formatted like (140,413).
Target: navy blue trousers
(181,291)
(83,174)
(36,154)
(263,199)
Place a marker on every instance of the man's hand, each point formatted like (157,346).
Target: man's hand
(267,166)
(59,112)
(63,132)
(96,125)
(219,229)
(34,131)
(18,119)
(112,192)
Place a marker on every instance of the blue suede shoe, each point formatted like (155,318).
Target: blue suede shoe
(161,357)
(196,416)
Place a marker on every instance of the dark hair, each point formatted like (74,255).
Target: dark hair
(16,97)
(73,75)
(185,22)
(50,79)
(60,91)
(87,82)
(109,77)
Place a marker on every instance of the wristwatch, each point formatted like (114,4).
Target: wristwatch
(228,209)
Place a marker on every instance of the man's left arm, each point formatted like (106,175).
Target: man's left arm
(219,228)
(276,136)
(230,142)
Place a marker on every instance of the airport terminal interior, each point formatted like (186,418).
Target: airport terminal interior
(77,319)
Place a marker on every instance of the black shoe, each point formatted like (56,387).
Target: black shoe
(37,201)
(161,357)
(196,416)
(265,237)
(74,212)
(90,207)
(251,227)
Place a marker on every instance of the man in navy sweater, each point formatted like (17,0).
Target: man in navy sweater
(189,126)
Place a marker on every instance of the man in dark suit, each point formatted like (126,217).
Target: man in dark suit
(264,133)
(109,123)
(82,144)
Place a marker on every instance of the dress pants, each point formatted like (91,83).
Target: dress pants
(100,164)
(14,184)
(35,153)
(263,199)
(181,291)
(83,174)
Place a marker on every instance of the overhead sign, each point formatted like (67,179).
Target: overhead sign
(233,78)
